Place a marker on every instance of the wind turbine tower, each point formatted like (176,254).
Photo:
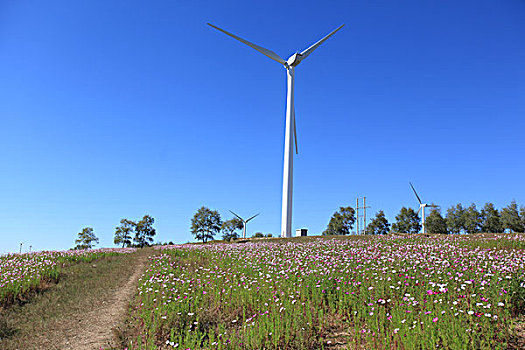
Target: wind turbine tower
(422,207)
(244,222)
(290,129)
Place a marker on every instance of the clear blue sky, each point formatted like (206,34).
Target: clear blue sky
(116,109)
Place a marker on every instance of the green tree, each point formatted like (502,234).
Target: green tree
(472,219)
(144,232)
(124,233)
(205,224)
(230,228)
(341,222)
(379,225)
(455,218)
(435,223)
(86,239)
(490,219)
(407,221)
(522,215)
(510,218)
(258,235)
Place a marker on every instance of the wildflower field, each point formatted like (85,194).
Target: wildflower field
(448,292)
(20,273)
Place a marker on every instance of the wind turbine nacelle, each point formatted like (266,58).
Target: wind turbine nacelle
(294,59)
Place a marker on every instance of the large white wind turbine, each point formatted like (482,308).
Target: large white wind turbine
(244,222)
(290,131)
(422,207)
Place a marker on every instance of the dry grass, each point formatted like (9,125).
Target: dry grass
(518,334)
(42,321)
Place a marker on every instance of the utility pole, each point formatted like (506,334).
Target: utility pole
(357,216)
(364,214)
(21,248)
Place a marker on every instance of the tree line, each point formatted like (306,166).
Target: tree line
(128,234)
(458,219)
(207,223)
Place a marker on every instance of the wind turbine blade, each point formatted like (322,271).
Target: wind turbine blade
(418,210)
(309,50)
(262,50)
(295,132)
(413,189)
(253,217)
(237,216)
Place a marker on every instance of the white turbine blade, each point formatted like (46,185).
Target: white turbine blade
(418,210)
(253,217)
(413,189)
(262,50)
(237,216)
(295,131)
(309,50)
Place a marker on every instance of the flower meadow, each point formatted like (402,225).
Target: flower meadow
(366,293)
(20,273)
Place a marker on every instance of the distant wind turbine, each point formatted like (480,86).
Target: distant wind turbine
(244,222)
(422,207)
(290,132)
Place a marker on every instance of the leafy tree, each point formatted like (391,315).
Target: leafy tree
(510,218)
(86,239)
(123,233)
(379,225)
(455,218)
(435,223)
(490,219)
(407,221)
(144,231)
(258,235)
(230,227)
(472,219)
(341,222)
(205,224)
(522,215)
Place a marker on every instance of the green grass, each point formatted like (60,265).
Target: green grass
(310,293)
(21,274)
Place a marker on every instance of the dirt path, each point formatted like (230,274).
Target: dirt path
(96,328)
(81,311)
